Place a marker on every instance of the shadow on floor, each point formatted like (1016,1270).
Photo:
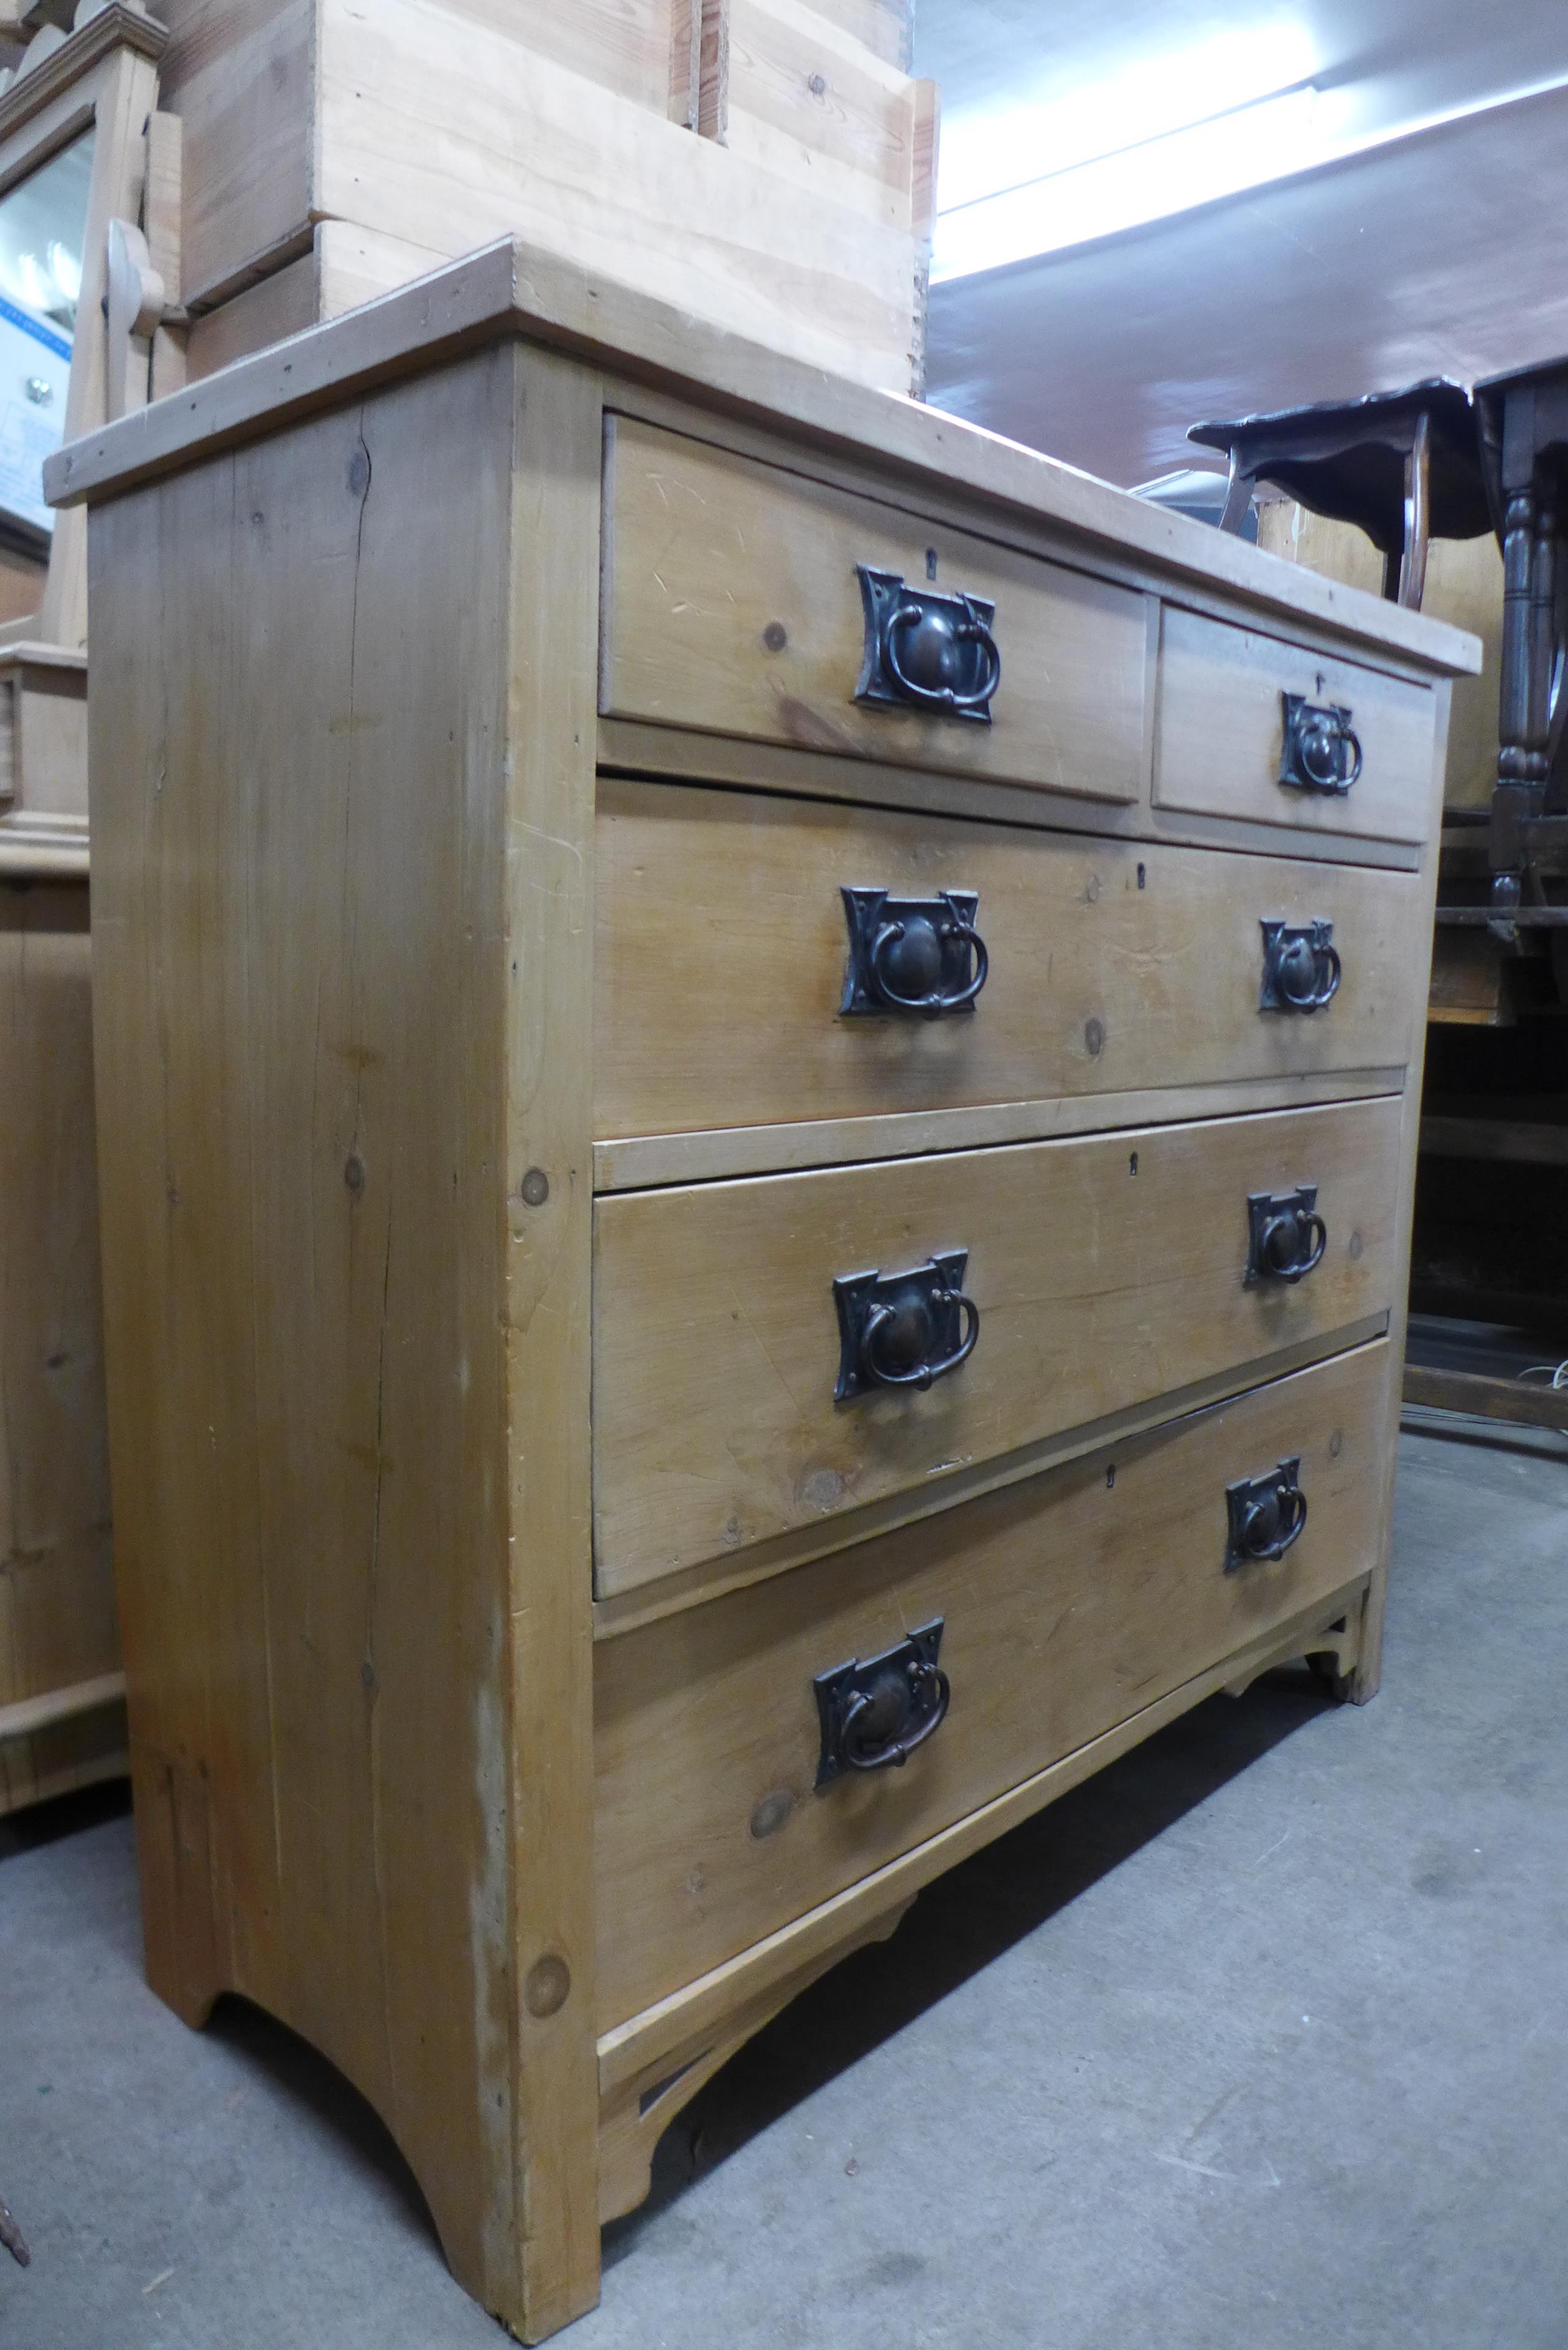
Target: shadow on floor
(967,1919)
(958,1926)
(40,1824)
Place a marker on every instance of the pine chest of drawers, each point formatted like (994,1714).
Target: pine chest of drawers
(757,1069)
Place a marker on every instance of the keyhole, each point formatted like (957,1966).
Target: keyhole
(1142,876)
(930,562)
(1110,1476)
(1132,1164)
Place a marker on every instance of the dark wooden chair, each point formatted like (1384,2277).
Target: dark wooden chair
(1522,437)
(1403,465)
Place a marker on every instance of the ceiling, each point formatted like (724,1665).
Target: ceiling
(1434,245)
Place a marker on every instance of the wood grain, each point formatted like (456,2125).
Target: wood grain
(57,1628)
(1069,1602)
(548,951)
(805,97)
(635,1163)
(689,2017)
(716,1341)
(443,147)
(1367,1675)
(1221,732)
(308,905)
(721,950)
(710,558)
(1532,1404)
(513,288)
(239,74)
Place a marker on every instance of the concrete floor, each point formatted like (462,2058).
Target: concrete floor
(1260,2037)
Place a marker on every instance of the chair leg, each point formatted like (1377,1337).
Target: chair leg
(1238,497)
(1418,513)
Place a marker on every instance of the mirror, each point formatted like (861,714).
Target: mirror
(43,232)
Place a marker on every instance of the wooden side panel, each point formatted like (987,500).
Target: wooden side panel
(1220,732)
(57,1622)
(300,839)
(1069,1602)
(1369,1666)
(1114,965)
(1108,1271)
(733,606)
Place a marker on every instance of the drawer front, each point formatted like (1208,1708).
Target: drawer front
(725,939)
(1106,1272)
(732,604)
(1067,1603)
(1220,738)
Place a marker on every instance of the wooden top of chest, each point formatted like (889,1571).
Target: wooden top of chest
(509,289)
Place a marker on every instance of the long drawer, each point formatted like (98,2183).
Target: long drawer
(1105,1272)
(1067,1603)
(725,944)
(734,604)
(1251,726)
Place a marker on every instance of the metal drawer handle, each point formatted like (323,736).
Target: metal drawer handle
(1265,1515)
(913,954)
(1322,750)
(927,652)
(1285,1235)
(874,1713)
(1302,969)
(903,1329)
(934,651)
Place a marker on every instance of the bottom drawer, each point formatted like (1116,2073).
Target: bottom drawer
(1067,1602)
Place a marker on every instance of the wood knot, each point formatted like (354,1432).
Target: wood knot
(547,1985)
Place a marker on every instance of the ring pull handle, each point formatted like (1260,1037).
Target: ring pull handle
(955,929)
(1286,1236)
(920,955)
(1322,751)
(1328,985)
(903,1329)
(1302,967)
(1273,1525)
(926,649)
(942,635)
(930,1693)
(875,1712)
(1264,1515)
(882,1317)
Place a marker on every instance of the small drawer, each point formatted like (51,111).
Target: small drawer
(758,1345)
(1250,727)
(745,976)
(741,599)
(1065,1604)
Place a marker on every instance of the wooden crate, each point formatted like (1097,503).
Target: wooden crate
(764,164)
(62,1723)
